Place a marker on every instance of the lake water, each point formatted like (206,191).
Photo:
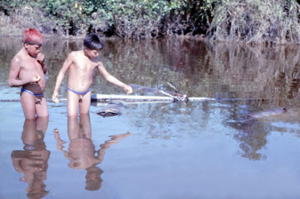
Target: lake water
(202,149)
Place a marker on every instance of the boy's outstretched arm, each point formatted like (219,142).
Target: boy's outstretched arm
(61,76)
(113,80)
(14,81)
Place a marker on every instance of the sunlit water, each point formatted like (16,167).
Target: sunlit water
(202,149)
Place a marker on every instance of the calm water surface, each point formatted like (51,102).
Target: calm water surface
(205,149)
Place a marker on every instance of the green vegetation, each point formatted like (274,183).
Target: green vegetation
(250,21)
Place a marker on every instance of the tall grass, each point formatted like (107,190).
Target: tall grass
(256,21)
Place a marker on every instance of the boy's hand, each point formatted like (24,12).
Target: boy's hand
(40,58)
(128,89)
(55,97)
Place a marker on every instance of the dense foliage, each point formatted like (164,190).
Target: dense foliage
(127,19)
(251,21)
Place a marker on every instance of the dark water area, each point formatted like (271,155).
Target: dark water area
(214,149)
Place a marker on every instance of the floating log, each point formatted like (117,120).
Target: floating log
(138,98)
(129,98)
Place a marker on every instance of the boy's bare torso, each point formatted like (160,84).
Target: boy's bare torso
(81,71)
(29,67)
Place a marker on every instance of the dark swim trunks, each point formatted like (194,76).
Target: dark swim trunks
(80,93)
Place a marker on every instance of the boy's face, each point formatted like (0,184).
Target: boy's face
(92,53)
(33,49)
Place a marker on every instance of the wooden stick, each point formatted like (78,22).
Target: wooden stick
(104,97)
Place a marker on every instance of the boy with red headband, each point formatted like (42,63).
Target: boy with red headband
(28,70)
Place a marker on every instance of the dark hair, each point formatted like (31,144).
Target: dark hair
(93,42)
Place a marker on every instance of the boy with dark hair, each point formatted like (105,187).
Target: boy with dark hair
(28,70)
(81,65)
(93,42)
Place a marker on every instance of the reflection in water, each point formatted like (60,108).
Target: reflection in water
(81,153)
(253,129)
(259,72)
(33,160)
(252,136)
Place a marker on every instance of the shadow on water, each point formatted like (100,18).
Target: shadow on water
(81,151)
(32,161)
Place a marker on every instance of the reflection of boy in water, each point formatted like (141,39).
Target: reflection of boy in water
(33,160)
(82,149)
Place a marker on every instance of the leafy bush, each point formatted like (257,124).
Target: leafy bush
(127,19)
(138,18)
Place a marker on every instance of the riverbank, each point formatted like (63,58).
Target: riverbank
(249,22)
(10,28)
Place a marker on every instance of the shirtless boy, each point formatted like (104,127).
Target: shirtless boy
(81,65)
(28,71)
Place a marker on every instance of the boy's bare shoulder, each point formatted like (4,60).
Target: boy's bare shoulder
(18,59)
